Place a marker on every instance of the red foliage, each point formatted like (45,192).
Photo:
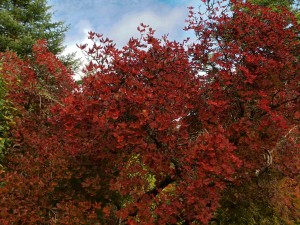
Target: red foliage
(146,139)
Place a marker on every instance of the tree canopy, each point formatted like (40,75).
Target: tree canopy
(293,5)
(147,138)
(23,22)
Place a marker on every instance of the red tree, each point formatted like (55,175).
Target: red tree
(252,60)
(146,139)
(132,109)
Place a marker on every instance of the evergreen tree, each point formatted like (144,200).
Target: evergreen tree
(22,22)
(293,5)
(285,3)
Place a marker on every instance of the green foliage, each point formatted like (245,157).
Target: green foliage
(246,205)
(7,112)
(292,5)
(274,3)
(25,21)
(268,199)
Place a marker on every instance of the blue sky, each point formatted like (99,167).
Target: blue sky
(118,19)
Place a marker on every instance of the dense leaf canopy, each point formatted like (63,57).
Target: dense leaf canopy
(161,132)
(23,22)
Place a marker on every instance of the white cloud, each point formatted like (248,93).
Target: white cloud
(118,20)
(167,21)
(84,26)
(81,37)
